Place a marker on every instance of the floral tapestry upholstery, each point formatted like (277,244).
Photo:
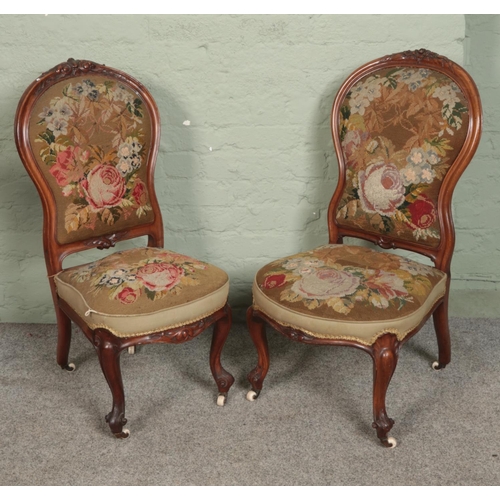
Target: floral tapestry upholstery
(143,290)
(343,291)
(91,139)
(400,130)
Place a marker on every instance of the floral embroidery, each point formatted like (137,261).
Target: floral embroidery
(343,276)
(400,131)
(384,286)
(381,189)
(160,276)
(415,268)
(274,280)
(101,183)
(103,187)
(423,213)
(156,276)
(325,283)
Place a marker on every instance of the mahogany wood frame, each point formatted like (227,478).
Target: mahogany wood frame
(107,345)
(385,350)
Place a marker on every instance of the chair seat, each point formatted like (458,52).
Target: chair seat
(348,292)
(143,290)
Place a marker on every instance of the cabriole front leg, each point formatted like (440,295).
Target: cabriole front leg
(385,353)
(223,379)
(108,349)
(257,329)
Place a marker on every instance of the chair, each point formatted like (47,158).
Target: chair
(404,128)
(88,136)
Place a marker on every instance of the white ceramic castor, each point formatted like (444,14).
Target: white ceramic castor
(221,400)
(124,434)
(251,395)
(131,349)
(435,366)
(392,442)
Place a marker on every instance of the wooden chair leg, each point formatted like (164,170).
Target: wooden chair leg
(442,327)
(223,379)
(257,331)
(63,340)
(385,353)
(108,349)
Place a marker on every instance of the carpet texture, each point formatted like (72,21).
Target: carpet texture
(311,425)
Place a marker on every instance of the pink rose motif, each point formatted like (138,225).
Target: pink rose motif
(64,169)
(104,187)
(325,284)
(139,193)
(60,167)
(160,276)
(274,281)
(381,189)
(128,295)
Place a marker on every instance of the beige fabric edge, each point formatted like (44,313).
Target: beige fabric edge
(133,325)
(365,332)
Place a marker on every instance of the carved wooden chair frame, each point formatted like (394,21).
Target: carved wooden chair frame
(107,345)
(385,350)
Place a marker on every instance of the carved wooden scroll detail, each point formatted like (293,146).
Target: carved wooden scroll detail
(181,334)
(386,243)
(422,55)
(72,67)
(105,242)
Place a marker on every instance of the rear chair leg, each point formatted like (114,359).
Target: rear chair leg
(442,327)
(63,340)
(257,331)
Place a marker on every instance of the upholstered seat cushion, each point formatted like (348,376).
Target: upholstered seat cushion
(143,290)
(348,292)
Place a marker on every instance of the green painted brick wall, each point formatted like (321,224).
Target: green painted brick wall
(476,262)
(242,184)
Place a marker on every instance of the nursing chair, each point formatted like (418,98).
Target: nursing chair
(404,127)
(88,136)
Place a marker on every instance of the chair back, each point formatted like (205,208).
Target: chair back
(405,127)
(88,136)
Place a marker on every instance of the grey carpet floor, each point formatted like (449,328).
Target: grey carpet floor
(310,426)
